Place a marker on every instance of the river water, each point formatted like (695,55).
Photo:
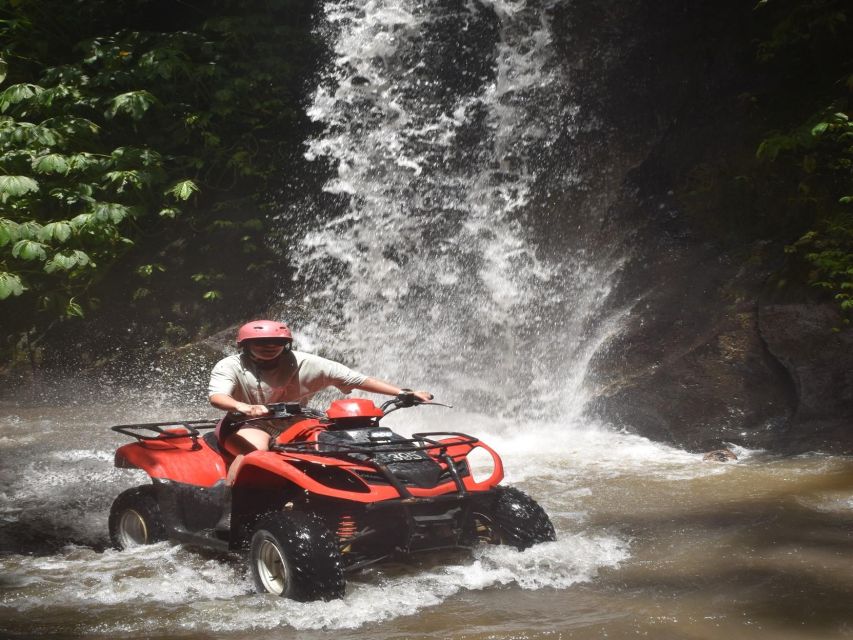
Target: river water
(651,541)
(439,122)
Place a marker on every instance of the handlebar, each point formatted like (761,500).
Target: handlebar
(283,410)
(407,399)
(279,411)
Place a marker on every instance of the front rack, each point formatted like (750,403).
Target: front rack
(418,442)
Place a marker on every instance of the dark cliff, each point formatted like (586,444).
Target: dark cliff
(716,349)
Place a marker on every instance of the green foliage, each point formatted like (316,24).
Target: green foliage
(127,125)
(132,103)
(813,37)
(182,190)
(829,251)
(10,285)
(14,186)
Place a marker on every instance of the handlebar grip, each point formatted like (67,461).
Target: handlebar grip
(406,398)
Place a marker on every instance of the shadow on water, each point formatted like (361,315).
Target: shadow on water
(778,560)
(37,535)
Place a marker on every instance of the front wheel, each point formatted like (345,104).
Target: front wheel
(514,519)
(293,555)
(135,519)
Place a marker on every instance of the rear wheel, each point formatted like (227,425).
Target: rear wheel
(135,519)
(294,555)
(514,519)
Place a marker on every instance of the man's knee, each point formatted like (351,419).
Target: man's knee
(247,440)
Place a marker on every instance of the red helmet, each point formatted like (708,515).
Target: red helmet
(263,330)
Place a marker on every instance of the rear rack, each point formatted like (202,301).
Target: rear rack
(161,429)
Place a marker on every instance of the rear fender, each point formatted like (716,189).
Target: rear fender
(174,460)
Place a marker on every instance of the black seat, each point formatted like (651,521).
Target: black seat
(213,442)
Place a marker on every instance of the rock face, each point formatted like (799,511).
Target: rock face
(691,368)
(819,361)
(702,361)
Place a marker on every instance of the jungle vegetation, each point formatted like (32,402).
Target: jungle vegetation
(785,177)
(140,141)
(813,42)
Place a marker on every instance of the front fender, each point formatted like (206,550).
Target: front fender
(267,469)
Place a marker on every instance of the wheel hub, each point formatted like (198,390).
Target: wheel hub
(272,569)
(133,530)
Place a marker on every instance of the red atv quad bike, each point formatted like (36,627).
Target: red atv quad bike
(335,493)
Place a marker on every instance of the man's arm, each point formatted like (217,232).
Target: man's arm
(375,385)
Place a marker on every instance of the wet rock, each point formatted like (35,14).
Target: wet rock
(690,367)
(720,455)
(702,363)
(817,353)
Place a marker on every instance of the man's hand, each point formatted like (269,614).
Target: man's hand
(423,396)
(251,410)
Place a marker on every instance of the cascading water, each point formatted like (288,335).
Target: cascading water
(439,118)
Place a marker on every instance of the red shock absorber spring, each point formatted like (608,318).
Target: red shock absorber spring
(347,527)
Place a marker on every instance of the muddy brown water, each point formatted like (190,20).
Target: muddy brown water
(652,542)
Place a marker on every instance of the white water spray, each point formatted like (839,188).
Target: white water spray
(438,141)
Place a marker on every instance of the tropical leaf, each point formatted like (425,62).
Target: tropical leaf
(3,69)
(182,190)
(73,126)
(124,180)
(29,230)
(130,157)
(83,161)
(147,270)
(59,231)
(47,136)
(132,103)
(60,262)
(10,285)
(82,258)
(8,232)
(67,260)
(111,211)
(83,220)
(18,93)
(51,163)
(81,192)
(29,250)
(47,97)
(820,128)
(72,309)
(16,186)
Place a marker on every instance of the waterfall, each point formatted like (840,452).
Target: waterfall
(438,119)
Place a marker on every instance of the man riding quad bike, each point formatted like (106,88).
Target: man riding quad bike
(332,493)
